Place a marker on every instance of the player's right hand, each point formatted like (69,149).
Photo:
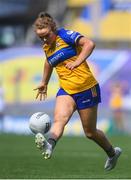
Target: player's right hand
(41,91)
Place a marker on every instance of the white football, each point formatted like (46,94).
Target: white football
(40,122)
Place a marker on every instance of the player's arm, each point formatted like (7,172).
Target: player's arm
(42,88)
(46,73)
(87,48)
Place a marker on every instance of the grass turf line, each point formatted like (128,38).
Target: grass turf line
(74,157)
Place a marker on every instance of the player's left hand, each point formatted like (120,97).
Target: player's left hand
(72,65)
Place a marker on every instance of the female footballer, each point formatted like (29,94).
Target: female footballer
(67,51)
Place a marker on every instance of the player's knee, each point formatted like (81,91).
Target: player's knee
(60,120)
(90,134)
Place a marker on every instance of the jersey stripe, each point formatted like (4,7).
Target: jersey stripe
(62,55)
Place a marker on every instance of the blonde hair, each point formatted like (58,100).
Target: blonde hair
(45,20)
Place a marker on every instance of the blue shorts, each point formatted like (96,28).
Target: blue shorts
(84,99)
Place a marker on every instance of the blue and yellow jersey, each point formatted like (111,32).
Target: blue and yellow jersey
(64,50)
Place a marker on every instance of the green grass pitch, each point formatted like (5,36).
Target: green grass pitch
(74,157)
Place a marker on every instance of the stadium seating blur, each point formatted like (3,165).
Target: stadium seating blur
(116,25)
(111,22)
(102,20)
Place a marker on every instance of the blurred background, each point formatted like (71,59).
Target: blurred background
(106,22)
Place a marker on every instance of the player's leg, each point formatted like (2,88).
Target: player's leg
(89,119)
(64,108)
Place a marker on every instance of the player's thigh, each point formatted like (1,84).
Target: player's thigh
(89,118)
(64,108)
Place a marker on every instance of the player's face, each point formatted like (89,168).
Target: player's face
(45,34)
